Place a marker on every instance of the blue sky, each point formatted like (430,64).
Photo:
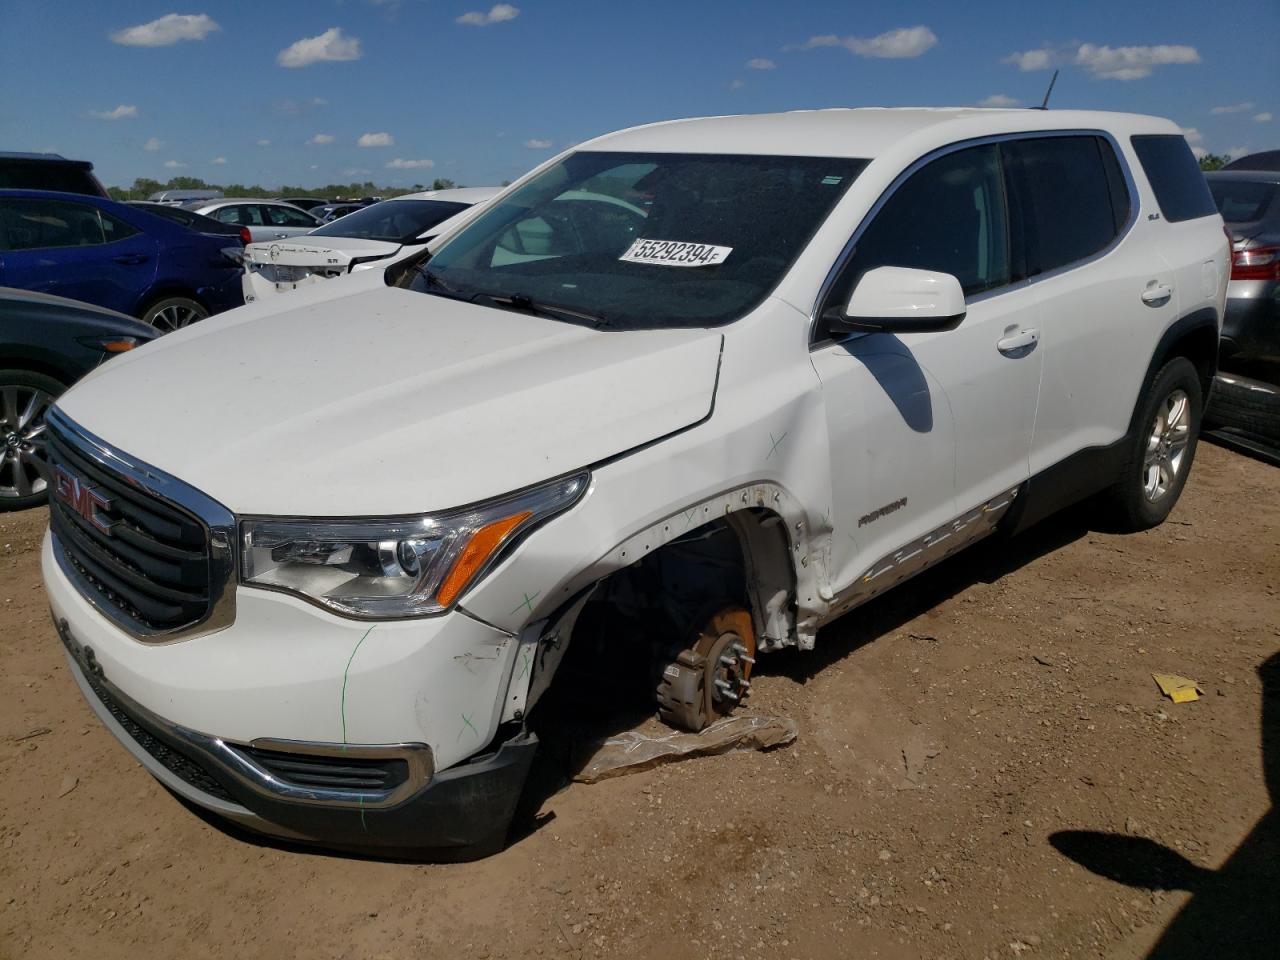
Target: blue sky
(284,91)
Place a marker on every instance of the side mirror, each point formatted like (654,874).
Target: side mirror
(901,300)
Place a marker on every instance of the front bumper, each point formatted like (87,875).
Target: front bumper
(226,719)
(455,814)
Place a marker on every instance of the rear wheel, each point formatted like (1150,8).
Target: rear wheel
(25,398)
(174,313)
(1161,450)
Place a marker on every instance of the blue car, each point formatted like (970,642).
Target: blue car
(116,256)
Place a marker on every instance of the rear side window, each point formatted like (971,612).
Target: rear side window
(1243,201)
(1180,187)
(1069,196)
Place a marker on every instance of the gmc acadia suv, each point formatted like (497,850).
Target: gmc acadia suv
(726,378)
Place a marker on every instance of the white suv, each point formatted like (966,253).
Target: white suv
(724,379)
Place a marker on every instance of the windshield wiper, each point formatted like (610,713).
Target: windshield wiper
(553,310)
(434,280)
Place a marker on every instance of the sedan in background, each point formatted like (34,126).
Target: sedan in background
(116,256)
(191,220)
(367,238)
(46,344)
(1249,201)
(265,219)
(329,212)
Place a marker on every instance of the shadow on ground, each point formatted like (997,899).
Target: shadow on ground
(1234,911)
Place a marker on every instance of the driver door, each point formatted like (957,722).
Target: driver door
(927,427)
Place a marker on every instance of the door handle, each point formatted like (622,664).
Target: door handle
(1020,343)
(132,258)
(281,236)
(1157,294)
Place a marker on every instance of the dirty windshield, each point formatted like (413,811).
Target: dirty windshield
(632,240)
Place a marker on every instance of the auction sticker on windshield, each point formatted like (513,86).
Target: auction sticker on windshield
(673,253)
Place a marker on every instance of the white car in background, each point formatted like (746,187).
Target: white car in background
(362,239)
(264,219)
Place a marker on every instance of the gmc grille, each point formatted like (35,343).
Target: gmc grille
(137,556)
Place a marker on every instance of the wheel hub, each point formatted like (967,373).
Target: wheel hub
(706,680)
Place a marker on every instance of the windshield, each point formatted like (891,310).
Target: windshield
(398,221)
(1242,201)
(643,239)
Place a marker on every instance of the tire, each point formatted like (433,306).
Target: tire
(25,396)
(1160,450)
(1245,404)
(174,313)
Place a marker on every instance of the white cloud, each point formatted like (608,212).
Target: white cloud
(219,161)
(999,100)
(314,166)
(122,112)
(174,164)
(376,140)
(1234,108)
(1029,60)
(1131,63)
(737,84)
(903,43)
(1199,152)
(331,45)
(1193,135)
(320,139)
(153,144)
(1262,118)
(399,164)
(1237,152)
(498,13)
(536,144)
(288,107)
(761,63)
(169,29)
(264,143)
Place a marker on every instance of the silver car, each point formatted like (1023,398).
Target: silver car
(265,219)
(1249,201)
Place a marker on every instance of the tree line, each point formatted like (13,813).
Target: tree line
(144,187)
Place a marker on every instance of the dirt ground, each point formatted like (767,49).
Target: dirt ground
(985,768)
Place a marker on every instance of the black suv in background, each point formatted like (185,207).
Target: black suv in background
(48,171)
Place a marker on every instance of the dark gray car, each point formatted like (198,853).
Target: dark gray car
(1249,201)
(47,343)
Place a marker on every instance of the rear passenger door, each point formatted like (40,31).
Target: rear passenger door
(1101,286)
(285,221)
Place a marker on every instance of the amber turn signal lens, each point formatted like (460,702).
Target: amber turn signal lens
(119,346)
(474,555)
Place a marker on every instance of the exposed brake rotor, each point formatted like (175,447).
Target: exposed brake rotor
(704,681)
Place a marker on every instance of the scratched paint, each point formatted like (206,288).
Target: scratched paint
(342,709)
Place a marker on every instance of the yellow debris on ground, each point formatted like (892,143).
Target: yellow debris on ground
(1178,689)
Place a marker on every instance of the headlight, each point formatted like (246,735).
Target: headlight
(399,567)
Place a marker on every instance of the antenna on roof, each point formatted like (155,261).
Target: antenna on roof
(1049,92)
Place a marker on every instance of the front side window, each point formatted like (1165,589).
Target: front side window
(948,216)
(642,239)
(1180,187)
(1071,195)
(397,221)
(29,224)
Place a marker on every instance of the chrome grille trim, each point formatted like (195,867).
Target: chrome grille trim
(218,522)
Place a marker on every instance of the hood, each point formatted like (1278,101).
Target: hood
(317,251)
(387,401)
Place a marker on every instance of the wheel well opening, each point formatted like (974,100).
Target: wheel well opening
(1200,346)
(638,616)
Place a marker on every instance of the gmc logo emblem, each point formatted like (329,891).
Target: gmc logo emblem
(82,498)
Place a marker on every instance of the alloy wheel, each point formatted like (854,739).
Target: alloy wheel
(175,317)
(22,411)
(1167,446)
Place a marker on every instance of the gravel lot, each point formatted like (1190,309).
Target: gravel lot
(933,805)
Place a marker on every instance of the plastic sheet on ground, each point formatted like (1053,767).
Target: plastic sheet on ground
(636,750)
